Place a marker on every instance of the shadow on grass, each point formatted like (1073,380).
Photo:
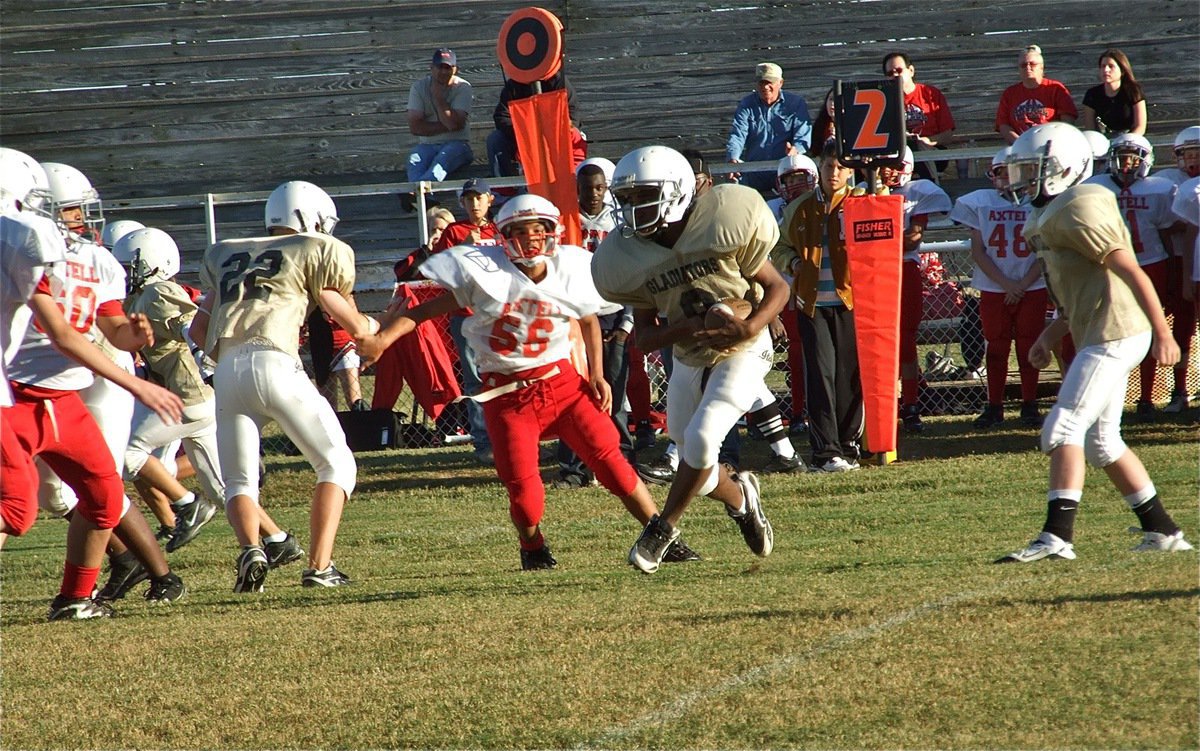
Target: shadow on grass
(1158,595)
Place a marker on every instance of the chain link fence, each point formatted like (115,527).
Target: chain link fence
(951,352)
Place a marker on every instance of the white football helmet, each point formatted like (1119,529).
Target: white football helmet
(23,182)
(801,173)
(662,169)
(1130,158)
(302,206)
(114,231)
(1187,151)
(998,171)
(148,255)
(899,177)
(1047,159)
(70,188)
(1100,148)
(606,166)
(524,208)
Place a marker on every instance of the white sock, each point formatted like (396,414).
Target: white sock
(783,447)
(184,500)
(279,536)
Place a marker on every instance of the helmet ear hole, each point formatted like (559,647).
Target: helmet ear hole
(670,177)
(301,207)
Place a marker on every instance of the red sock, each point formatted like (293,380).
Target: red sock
(78,581)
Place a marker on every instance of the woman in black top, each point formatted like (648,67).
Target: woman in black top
(1116,105)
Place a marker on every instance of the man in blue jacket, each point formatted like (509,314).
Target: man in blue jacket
(768,125)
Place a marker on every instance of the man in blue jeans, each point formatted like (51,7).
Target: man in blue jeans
(439,113)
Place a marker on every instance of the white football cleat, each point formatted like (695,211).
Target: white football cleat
(1046,545)
(1157,541)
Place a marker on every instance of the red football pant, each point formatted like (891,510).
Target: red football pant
(1168,281)
(56,426)
(563,404)
(912,310)
(1003,324)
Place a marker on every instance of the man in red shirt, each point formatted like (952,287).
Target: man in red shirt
(1034,100)
(928,122)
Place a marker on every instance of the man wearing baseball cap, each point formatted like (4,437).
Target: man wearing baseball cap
(439,113)
(768,125)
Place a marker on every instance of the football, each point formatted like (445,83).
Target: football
(720,313)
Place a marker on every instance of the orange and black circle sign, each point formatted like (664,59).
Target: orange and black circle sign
(530,45)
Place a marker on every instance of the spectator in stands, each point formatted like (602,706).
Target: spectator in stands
(812,251)
(1034,100)
(437,219)
(439,113)
(503,158)
(1116,105)
(823,129)
(767,125)
(476,198)
(928,121)
(477,229)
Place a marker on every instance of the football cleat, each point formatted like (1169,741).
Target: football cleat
(188,521)
(680,552)
(756,530)
(1158,541)
(327,577)
(283,552)
(1046,545)
(78,609)
(992,415)
(251,570)
(122,577)
(537,560)
(651,546)
(166,590)
(784,466)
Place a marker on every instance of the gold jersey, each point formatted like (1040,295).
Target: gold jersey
(728,237)
(170,310)
(265,287)
(1073,235)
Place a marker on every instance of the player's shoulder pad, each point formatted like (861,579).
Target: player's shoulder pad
(735,214)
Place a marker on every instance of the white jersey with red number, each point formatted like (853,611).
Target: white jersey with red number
(1146,208)
(1000,224)
(517,324)
(87,284)
(921,198)
(1186,207)
(29,246)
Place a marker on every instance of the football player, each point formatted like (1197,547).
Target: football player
(922,198)
(259,291)
(1145,203)
(682,255)
(1187,156)
(1012,293)
(68,288)
(153,260)
(524,295)
(795,175)
(1114,316)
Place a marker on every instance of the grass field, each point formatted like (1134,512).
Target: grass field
(878,622)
